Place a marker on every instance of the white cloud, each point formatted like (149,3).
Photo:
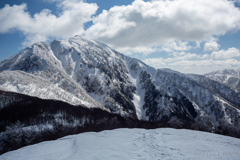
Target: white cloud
(209,63)
(74,13)
(145,50)
(164,22)
(191,63)
(177,46)
(176,57)
(224,54)
(160,25)
(211,46)
(198,44)
(156,62)
(205,56)
(195,66)
(148,49)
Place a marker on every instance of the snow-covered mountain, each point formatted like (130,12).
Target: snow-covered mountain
(25,83)
(230,77)
(163,143)
(38,73)
(94,74)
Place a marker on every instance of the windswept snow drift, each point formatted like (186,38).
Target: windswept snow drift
(131,144)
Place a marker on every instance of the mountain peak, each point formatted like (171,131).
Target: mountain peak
(93,73)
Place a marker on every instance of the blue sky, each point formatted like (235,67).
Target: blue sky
(189,36)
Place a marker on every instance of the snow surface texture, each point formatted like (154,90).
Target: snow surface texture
(93,74)
(133,144)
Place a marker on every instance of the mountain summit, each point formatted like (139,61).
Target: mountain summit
(85,72)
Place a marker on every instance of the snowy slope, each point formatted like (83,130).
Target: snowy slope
(100,70)
(25,83)
(133,144)
(168,94)
(230,77)
(39,61)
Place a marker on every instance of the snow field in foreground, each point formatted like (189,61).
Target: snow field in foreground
(163,143)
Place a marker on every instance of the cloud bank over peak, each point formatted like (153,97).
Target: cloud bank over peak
(170,24)
(163,22)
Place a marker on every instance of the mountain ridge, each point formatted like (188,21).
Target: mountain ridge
(229,77)
(96,74)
